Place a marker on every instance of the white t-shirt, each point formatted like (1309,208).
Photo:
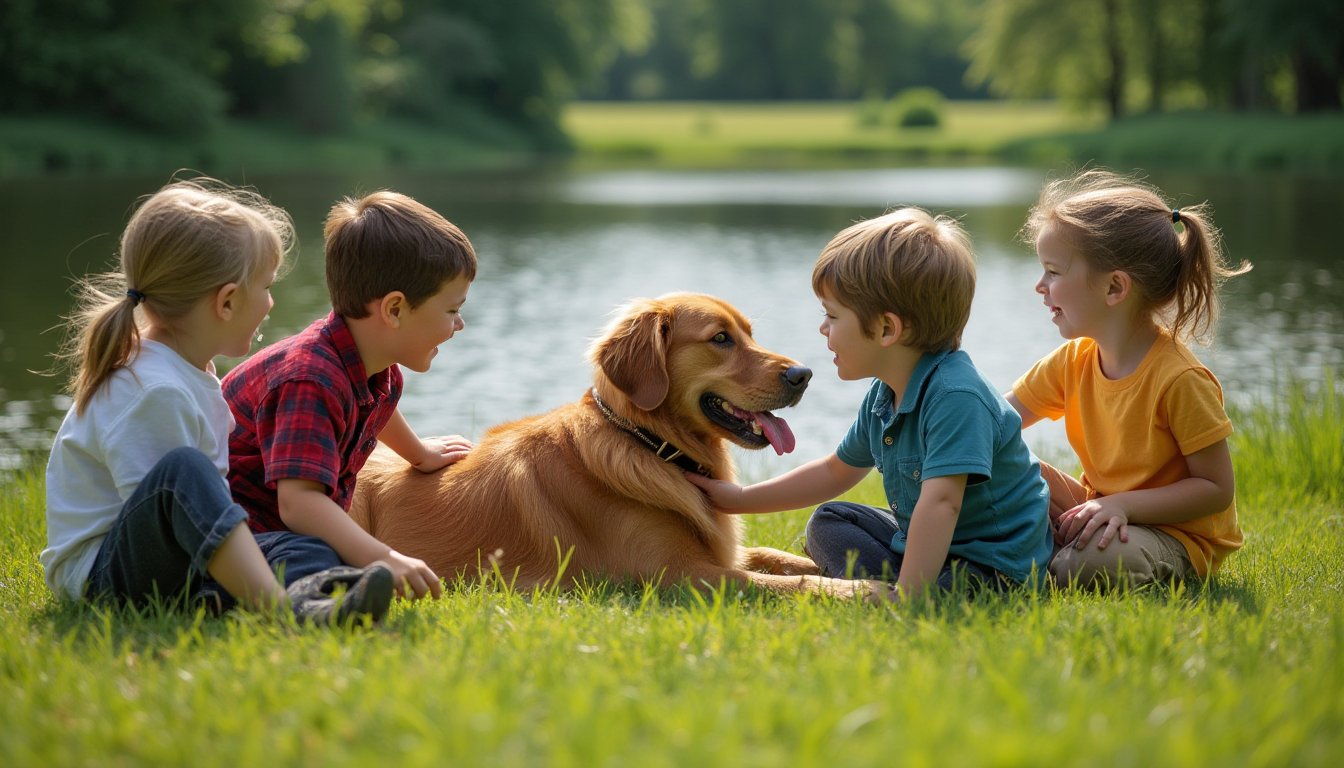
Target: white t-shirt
(157,403)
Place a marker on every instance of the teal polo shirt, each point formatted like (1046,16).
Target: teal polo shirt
(952,421)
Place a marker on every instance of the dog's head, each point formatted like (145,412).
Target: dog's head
(690,359)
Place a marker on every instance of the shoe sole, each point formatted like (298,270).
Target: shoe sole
(370,596)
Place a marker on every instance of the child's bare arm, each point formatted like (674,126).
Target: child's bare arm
(306,509)
(1028,416)
(816,481)
(426,455)
(932,522)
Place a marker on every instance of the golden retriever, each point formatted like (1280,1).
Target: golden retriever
(585,481)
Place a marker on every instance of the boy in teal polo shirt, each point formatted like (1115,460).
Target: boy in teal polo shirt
(965,494)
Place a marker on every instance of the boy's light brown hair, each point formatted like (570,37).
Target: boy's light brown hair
(907,262)
(387,242)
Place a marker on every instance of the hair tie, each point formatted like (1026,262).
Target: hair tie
(135,295)
(1175,215)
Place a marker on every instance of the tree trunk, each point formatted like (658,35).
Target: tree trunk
(1316,87)
(1156,56)
(1115,88)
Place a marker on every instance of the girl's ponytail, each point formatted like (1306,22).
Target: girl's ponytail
(104,335)
(1201,273)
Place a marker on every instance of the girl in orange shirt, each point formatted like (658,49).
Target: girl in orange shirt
(1127,280)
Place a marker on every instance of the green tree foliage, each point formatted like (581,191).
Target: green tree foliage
(1307,34)
(179,66)
(1154,54)
(148,63)
(521,59)
(1042,48)
(794,49)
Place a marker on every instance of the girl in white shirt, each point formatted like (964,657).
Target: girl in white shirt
(137,506)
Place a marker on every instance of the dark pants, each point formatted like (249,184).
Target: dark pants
(169,529)
(839,531)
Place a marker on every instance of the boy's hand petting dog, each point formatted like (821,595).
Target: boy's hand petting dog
(439,452)
(724,496)
(411,578)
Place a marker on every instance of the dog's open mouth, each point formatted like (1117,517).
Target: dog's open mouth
(754,429)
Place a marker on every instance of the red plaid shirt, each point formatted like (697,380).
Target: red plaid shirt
(305,411)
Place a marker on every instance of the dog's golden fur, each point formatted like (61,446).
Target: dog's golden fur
(571,483)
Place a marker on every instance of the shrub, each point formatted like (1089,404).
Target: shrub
(916,108)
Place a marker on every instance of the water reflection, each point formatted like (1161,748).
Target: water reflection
(956,187)
(561,250)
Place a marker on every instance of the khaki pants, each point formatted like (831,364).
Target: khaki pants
(1150,555)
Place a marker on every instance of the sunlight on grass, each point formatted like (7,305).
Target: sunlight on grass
(710,133)
(1245,670)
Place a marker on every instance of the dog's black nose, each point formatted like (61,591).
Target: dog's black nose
(797,377)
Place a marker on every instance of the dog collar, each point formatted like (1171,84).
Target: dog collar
(660,447)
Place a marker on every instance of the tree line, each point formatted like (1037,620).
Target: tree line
(181,66)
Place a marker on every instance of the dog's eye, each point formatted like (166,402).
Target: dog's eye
(722,338)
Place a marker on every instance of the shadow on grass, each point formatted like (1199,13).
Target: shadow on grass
(164,627)
(151,629)
(1217,591)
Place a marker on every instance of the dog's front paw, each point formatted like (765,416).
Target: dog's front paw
(848,589)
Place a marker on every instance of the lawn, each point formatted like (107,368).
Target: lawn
(1245,670)
(735,133)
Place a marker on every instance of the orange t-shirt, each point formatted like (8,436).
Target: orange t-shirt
(1135,432)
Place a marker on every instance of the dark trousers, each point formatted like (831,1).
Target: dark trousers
(169,529)
(841,532)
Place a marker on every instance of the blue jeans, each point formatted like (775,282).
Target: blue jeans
(839,530)
(169,529)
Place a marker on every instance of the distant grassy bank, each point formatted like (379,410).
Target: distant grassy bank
(727,134)
(1311,144)
(703,134)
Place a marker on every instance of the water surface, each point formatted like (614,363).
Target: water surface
(560,250)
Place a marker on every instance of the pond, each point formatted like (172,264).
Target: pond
(561,248)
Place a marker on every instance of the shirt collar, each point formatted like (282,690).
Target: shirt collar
(344,343)
(923,369)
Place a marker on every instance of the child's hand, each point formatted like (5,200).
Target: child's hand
(439,452)
(1077,526)
(884,593)
(413,579)
(723,495)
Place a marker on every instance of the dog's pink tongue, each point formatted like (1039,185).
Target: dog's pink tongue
(777,431)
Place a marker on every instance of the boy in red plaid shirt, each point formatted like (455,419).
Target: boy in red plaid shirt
(310,409)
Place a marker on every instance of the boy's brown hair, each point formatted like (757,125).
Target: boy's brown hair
(387,242)
(907,262)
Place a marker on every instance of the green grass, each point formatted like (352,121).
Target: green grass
(1247,670)
(1254,142)
(732,133)
(1044,133)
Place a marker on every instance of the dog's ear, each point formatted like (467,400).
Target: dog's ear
(633,355)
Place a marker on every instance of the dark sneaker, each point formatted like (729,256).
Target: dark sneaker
(212,600)
(368,592)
